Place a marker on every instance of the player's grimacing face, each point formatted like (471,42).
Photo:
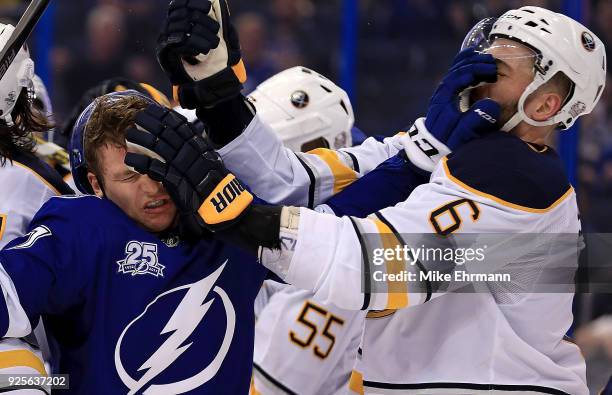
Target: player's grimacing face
(142,199)
(514,74)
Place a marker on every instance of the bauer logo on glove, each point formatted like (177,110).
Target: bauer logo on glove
(226,203)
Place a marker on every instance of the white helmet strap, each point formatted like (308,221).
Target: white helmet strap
(521,116)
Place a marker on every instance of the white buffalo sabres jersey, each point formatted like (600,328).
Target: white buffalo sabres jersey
(277,174)
(26,183)
(303,346)
(487,312)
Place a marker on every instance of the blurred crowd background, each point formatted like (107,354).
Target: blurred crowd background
(403,48)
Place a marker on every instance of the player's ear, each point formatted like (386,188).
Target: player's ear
(547,106)
(95,185)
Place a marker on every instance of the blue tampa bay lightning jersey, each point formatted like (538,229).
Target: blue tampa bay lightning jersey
(131,312)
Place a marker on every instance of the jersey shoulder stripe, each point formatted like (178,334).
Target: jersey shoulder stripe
(42,171)
(510,171)
(21,358)
(2,224)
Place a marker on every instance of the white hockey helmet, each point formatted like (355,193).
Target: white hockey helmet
(561,45)
(18,76)
(305,109)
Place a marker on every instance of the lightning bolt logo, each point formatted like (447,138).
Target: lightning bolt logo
(185,319)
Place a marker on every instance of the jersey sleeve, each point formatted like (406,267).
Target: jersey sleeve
(378,263)
(393,180)
(41,272)
(277,174)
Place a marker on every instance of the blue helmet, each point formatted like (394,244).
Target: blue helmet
(76,144)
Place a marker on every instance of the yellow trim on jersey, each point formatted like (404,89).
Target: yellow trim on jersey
(397,291)
(534,148)
(399,134)
(252,389)
(16,358)
(356,382)
(3,219)
(499,200)
(373,314)
(157,95)
(240,71)
(343,175)
(42,179)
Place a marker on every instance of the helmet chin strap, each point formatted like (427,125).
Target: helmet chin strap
(512,122)
(520,114)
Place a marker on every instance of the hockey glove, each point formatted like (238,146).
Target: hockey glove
(469,68)
(179,156)
(424,150)
(199,50)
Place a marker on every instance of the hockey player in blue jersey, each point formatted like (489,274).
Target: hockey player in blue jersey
(133,307)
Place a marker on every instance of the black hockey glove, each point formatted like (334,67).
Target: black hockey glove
(209,197)
(199,50)
(180,157)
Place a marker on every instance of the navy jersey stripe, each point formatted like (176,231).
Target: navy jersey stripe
(44,171)
(465,386)
(355,161)
(367,286)
(311,176)
(272,380)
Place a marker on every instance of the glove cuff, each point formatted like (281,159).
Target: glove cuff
(227,120)
(211,91)
(258,228)
(422,148)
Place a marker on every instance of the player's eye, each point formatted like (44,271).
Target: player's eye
(131,177)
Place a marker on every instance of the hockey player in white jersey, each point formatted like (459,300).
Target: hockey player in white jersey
(26,183)
(301,345)
(551,70)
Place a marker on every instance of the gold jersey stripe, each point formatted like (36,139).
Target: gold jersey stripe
(373,314)
(252,389)
(397,291)
(16,358)
(2,224)
(356,382)
(343,175)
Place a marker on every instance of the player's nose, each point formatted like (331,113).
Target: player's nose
(152,187)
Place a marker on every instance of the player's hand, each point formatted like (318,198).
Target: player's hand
(179,156)
(199,50)
(444,120)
